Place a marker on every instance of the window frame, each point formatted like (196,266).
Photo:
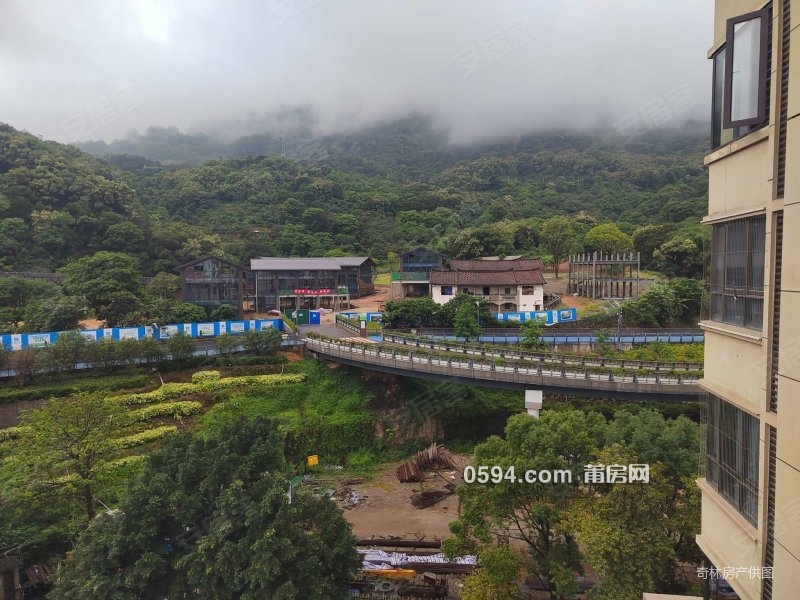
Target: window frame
(748,294)
(732,456)
(763,68)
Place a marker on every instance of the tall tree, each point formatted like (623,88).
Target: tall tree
(531,513)
(465,321)
(625,532)
(53,470)
(62,313)
(213,514)
(17,293)
(104,278)
(558,239)
(607,238)
(679,256)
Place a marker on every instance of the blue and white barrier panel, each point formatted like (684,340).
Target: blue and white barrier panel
(549,317)
(19,341)
(369,317)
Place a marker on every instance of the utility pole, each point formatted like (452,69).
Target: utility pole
(619,326)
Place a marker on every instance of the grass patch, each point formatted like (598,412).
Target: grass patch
(383,279)
(327,414)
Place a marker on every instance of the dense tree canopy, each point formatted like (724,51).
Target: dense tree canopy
(214,514)
(381,190)
(649,526)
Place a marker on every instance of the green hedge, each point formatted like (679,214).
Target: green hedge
(92,383)
(172,391)
(176,410)
(143,437)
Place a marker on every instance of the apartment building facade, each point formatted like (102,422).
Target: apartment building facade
(751,485)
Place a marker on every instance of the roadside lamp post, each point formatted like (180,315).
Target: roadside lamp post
(478,307)
(619,326)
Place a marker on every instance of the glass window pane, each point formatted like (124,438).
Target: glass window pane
(746,69)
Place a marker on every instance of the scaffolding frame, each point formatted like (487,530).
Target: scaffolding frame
(605,275)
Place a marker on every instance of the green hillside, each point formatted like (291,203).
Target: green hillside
(372,192)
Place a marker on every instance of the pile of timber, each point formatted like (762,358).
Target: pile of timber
(430,459)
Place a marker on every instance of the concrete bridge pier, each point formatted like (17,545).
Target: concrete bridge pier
(533,402)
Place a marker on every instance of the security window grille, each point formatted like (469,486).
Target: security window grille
(732,456)
(737,272)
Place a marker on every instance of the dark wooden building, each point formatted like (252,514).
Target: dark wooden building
(212,281)
(315,282)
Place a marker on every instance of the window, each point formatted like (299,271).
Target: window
(737,272)
(447,290)
(507,291)
(732,455)
(740,89)
(486,291)
(746,69)
(527,290)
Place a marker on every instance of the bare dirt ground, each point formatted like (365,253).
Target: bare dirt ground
(385,509)
(90,324)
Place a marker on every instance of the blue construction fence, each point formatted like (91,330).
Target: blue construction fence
(549,317)
(369,317)
(19,341)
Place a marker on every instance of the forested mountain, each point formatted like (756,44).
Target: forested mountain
(57,202)
(379,190)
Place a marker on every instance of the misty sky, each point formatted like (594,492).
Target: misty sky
(95,69)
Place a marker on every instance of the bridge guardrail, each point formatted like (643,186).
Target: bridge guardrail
(522,375)
(347,324)
(543,357)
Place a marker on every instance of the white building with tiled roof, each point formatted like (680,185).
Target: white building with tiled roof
(508,286)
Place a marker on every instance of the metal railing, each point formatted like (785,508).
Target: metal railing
(421,276)
(348,324)
(554,301)
(563,360)
(514,374)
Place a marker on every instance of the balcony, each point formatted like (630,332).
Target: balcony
(497,298)
(420,277)
(201,278)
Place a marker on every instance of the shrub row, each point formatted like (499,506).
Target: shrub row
(9,433)
(202,376)
(70,388)
(176,410)
(167,392)
(171,391)
(143,437)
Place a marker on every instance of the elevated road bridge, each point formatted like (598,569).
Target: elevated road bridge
(500,369)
